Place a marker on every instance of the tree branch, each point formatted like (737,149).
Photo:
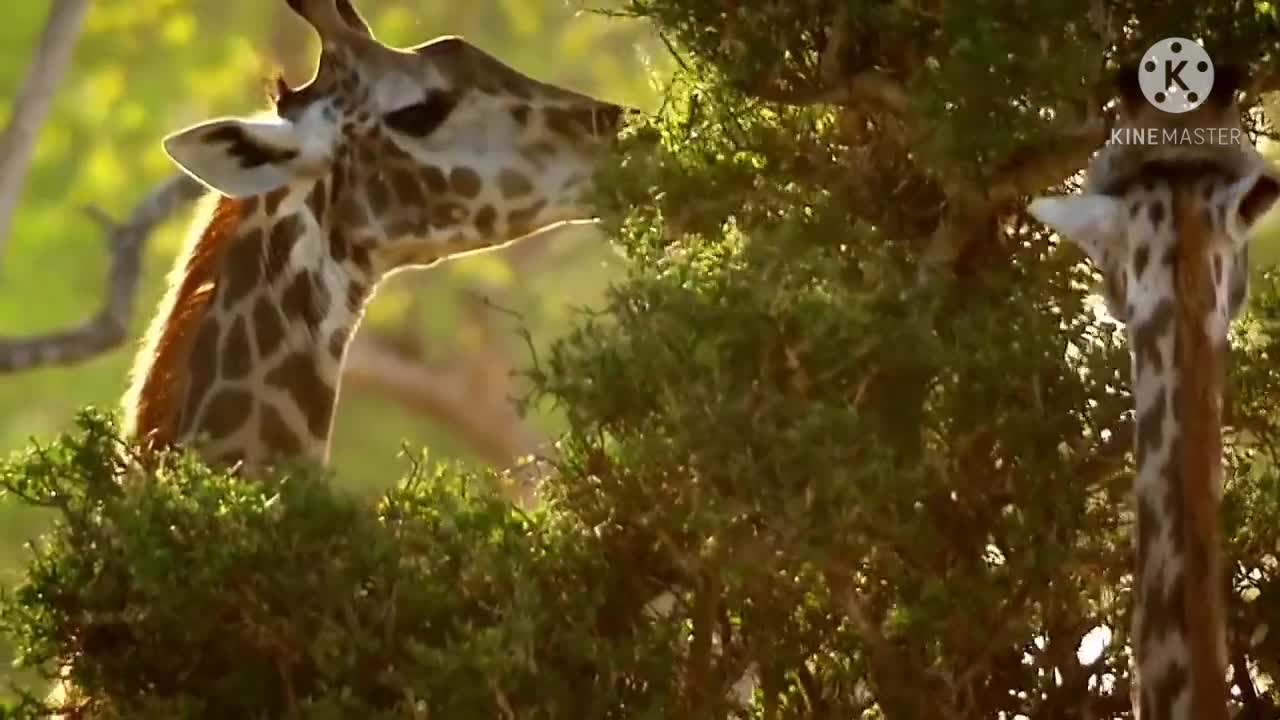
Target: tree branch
(973,207)
(471,392)
(108,329)
(1042,165)
(461,395)
(838,85)
(870,87)
(973,204)
(33,103)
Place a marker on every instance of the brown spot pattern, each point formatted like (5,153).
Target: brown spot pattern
(275,433)
(520,222)
(360,256)
(513,184)
(408,190)
(317,200)
(422,119)
(226,412)
(1239,282)
(561,122)
(536,152)
(1164,689)
(237,356)
(465,182)
(1146,336)
(243,268)
(338,342)
(437,183)
(273,199)
(337,245)
(1156,213)
(485,218)
(356,294)
(445,213)
(1141,256)
(1151,428)
(268,328)
(299,301)
(283,237)
(1147,526)
(517,86)
(354,213)
(298,376)
(378,193)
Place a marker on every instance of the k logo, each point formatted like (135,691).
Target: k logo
(1176,75)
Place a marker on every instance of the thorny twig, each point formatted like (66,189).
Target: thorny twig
(108,329)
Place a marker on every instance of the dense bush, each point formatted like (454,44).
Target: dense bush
(190,593)
(880,491)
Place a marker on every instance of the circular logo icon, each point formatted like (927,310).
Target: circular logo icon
(1176,75)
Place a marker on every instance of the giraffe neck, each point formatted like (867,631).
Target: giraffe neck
(244,365)
(1179,619)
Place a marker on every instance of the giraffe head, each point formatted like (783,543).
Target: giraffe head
(1146,209)
(385,159)
(428,151)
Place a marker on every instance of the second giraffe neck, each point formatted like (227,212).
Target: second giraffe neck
(260,381)
(1179,616)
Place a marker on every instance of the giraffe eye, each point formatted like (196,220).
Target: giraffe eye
(422,118)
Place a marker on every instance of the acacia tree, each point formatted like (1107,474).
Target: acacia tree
(850,415)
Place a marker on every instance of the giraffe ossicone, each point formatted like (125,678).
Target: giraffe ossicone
(387,158)
(1168,227)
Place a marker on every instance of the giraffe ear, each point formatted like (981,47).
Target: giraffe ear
(237,157)
(1092,222)
(1250,199)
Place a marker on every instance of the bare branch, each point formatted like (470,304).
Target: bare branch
(974,206)
(871,87)
(108,329)
(462,396)
(1035,168)
(838,85)
(33,103)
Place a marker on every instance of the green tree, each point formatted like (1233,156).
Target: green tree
(855,416)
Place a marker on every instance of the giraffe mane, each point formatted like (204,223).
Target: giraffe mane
(1201,363)
(159,374)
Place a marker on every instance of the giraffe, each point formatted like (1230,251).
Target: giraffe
(386,159)
(1168,227)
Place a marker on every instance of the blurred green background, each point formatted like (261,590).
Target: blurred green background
(144,68)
